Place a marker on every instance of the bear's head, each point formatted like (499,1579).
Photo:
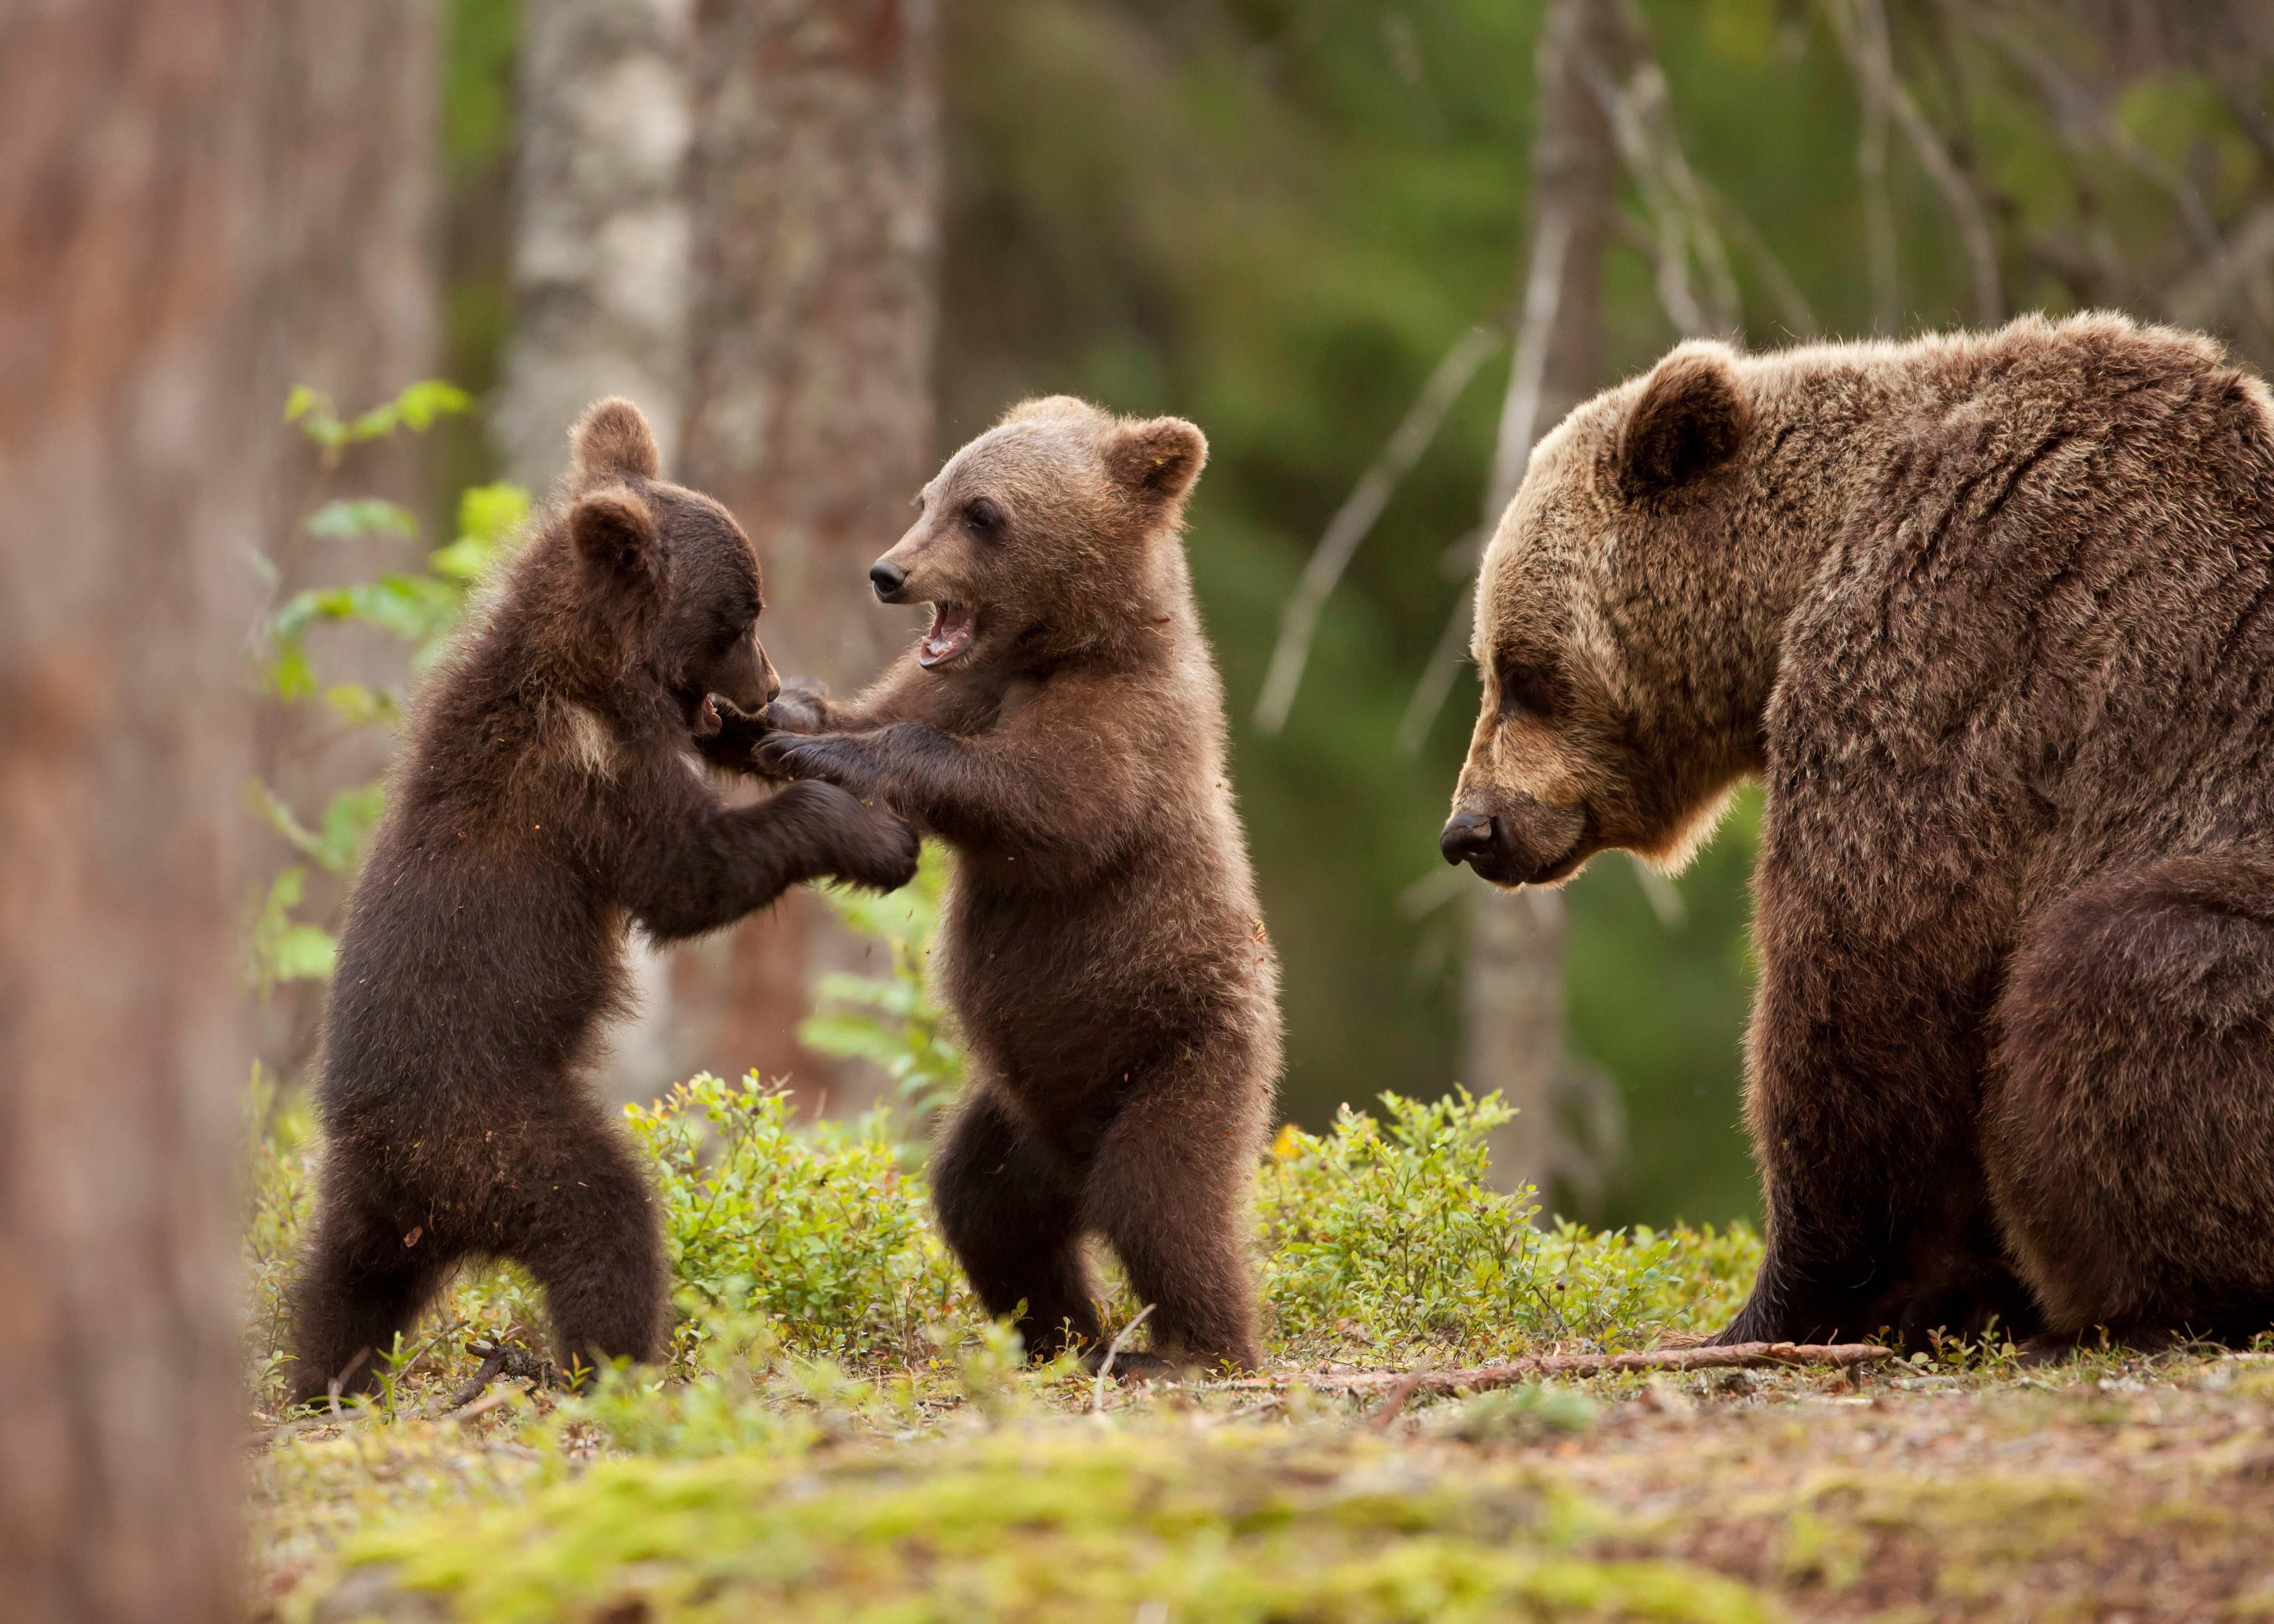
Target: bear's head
(1611,714)
(666,569)
(1043,534)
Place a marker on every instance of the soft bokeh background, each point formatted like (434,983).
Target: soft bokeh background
(1276,217)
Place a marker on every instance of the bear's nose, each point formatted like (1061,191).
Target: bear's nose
(888,578)
(1466,834)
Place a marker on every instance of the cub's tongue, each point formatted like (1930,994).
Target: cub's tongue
(949,637)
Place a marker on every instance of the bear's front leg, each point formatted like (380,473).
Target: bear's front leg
(1865,1088)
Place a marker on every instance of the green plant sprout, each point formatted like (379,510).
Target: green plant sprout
(419,607)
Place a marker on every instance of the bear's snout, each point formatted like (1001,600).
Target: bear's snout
(888,578)
(1467,835)
(1514,839)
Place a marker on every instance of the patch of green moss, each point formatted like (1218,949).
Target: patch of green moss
(1062,1521)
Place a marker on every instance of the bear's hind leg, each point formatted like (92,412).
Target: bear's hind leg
(592,1238)
(361,1285)
(1014,1226)
(1171,1189)
(2128,1132)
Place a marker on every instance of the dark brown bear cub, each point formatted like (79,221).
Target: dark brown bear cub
(546,801)
(1061,726)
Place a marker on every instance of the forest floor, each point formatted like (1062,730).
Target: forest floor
(2109,1487)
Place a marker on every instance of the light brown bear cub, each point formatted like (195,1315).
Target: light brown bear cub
(1992,616)
(1061,726)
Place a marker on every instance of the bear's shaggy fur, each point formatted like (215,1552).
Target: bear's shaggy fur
(1061,726)
(545,800)
(1993,617)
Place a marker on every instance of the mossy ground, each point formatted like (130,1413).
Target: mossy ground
(840,1434)
(2112,1487)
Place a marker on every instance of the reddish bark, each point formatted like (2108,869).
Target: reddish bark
(129,208)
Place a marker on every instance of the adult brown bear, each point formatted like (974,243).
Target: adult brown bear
(1989,614)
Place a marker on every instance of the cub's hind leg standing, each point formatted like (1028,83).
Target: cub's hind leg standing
(365,1280)
(1014,1221)
(1171,1189)
(2129,1135)
(585,1227)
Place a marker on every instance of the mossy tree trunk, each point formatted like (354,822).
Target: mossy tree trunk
(133,443)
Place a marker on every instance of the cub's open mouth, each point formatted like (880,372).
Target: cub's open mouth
(949,636)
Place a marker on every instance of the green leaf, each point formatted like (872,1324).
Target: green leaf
(421,402)
(305,953)
(362,516)
(493,512)
(361,706)
(377,424)
(283,949)
(304,400)
(288,674)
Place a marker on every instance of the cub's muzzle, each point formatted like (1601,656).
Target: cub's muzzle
(888,578)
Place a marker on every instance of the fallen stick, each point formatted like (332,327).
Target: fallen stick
(1742,1355)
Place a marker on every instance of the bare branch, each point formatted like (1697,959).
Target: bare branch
(1862,38)
(1744,1355)
(2198,299)
(1437,681)
(1299,622)
(1792,304)
(1105,1365)
(1639,111)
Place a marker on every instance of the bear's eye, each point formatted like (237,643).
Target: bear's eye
(1524,690)
(983,516)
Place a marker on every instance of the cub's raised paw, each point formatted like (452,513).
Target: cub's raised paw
(887,859)
(801,707)
(827,756)
(726,736)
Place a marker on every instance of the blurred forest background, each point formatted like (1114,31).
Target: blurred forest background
(1373,248)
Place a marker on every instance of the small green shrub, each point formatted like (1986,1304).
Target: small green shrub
(816,1226)
(1388,1233)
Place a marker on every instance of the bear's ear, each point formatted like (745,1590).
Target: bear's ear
(1158,459)
(623,550)
(1691,417)
(611,441)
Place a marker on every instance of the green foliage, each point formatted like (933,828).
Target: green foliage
(816,1227)
(1396,1231)
(282,949)
(421,608)
(1388,1233)
(892,1020)
(416,408)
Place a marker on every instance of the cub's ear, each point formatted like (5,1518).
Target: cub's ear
(610,440)
(1158,459)
(1692,416)
(623,550)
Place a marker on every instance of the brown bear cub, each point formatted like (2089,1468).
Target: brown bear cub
(1061,727)
(1992,616)
(547,800)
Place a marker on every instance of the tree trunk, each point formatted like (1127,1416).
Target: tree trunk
(816,206)
(130,445)
(600,294)
(349,277)
(1512,997)
(600,225)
